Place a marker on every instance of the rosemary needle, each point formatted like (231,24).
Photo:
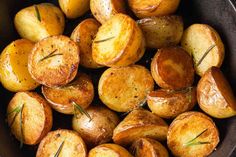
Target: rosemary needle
(191,142)
(205,54)
(37,13)
(103,40)
(59,149)
(81,110)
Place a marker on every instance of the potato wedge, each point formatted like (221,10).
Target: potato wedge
(162,31)
(148,8)
(146,147)
(103,10)
(192,134)
(80,91)
(29,116)
(39,21)
(74,8)
(214,94)
(109,150)
(125,88)
(83,35)
(168,103)
(172,68)
(54,61)
(119,42)
(140,123)
(62,142)
(204,44)
(13,66)
(99,129)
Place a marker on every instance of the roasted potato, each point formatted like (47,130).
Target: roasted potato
(123,89)
(62,143)
(74,8)
(172,68)
(103,10)
(140,123)
(39,21)
(146,147)
(13,66)
(54,61)
(119,42)
(29,116)
(192,134)
(98,129)
(83,35)
(168,103)
(162,31)
(109,150)
(147,8)
(80,91)
(204,44)
(214,94)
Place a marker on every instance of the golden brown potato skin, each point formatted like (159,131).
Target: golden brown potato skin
(99,129)
(162,31)
(39,21)
(103,10)
(125,88)
(196,40)
(188,126)
(147,147)
(73,146)
(74,8)
(140,123)
(168,103)
(109,150)
(83,35)
(215,96)
(36,117)
(80,90)
(148,8)
(172,68)
(13,66)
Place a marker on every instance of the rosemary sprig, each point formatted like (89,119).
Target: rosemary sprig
(59,149)
(197,143)
(205,54)
(192,142)
(104,40)
(52,54)
(37,13)
(81,110)
(21,126)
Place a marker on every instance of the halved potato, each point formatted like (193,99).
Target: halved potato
(162,31)
(99,129)
(29,116)
(140,123)
(13,66)
(168,103)
(39,21)
(147,8)
(192,134)
(147,147)
(109,150)
(74,8)
(205,45)
(119,42)
(54,61)
(103,10)
(62,142)
(80,91)
(215,96)
(83,35)
(125,88)
(172,68)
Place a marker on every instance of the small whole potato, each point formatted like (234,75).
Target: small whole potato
(39,21)
(74,8)
(103,10)
(98,129)
(13,66)
(148,8)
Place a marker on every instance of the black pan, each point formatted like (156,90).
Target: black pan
(221,14)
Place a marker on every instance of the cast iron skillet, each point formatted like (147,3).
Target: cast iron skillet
(221,14)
